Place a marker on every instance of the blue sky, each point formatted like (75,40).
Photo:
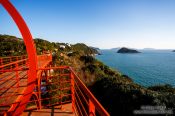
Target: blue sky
(99,23)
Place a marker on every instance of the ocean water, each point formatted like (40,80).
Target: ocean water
(147,68)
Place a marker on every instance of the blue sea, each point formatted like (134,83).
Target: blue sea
(152,67)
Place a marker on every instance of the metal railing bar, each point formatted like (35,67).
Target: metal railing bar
(82,94)
(81,103)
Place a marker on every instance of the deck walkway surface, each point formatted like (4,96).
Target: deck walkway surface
(66,110)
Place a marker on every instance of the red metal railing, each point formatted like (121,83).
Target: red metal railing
(14,80)
(61,85)
(54,86)
(44,57)
(57,86)
(83,101)
(6,60)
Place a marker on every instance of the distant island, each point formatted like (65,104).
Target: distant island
(173,50)
(127,50)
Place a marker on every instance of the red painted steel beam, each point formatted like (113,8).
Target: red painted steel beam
(31,51)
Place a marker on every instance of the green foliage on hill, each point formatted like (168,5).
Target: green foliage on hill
(44,45)
(83,49)
(87,59)
(123,98)
(11,45)
(118,97)
(162,88)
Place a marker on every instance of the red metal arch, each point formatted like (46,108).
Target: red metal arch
(36,99)
(31,51)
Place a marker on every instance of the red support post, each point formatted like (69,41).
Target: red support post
(72,91)
(91,108)
(17,75)
(10,60)
(39,91)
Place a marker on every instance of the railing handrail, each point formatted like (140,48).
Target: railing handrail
(12,56)
(21,60)
(12,63)
(96,103)
(23,56)
(10,59)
